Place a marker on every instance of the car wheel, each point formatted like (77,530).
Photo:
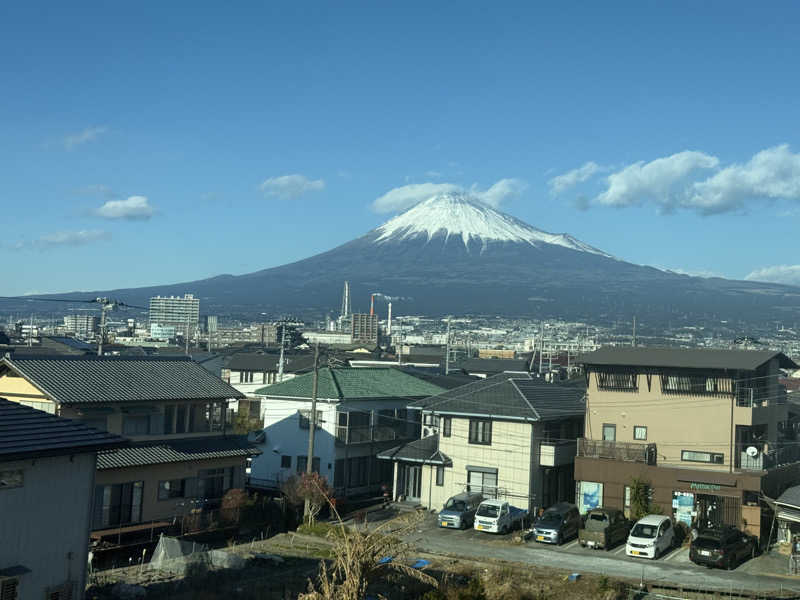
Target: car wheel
(558,539)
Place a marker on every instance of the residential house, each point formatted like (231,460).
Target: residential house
(508,436)
(787,515)
(704,430)
(47,471)
(360,412)
(172,410)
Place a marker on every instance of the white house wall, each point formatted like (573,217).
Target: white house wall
(44,524)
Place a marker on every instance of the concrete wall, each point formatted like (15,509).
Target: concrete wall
(44,525)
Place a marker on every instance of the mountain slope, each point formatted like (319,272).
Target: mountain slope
(453,255)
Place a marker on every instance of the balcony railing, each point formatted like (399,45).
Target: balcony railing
(760,461)
(377,433)
(627,451)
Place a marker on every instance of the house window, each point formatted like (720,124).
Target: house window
(609,432)
(639,432)
(617,381)
(173,488)
(10,479)
(716,458)
(430,420)
(246,377)
(302,464)
(483,481)
(480,431)
(439,475)
(211,483)
(305,415)
(447,426)
(9,588)
(136,424)
(118,504)
(286,462)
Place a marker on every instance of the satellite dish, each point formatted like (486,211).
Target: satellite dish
(752,451)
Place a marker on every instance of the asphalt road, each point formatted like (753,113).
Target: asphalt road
(673,568)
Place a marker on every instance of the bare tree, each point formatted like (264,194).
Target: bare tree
(311,487)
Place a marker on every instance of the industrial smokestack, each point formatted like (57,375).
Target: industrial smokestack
(389,321)
(372,305)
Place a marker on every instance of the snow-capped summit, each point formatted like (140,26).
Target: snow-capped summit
(460,215)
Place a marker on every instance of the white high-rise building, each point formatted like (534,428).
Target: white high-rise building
(176,311)
(82,325)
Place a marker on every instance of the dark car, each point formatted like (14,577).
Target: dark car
(724,548)
(558,523)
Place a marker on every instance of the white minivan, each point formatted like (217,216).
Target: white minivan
(651,537)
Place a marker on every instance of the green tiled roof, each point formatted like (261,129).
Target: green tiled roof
(354,384)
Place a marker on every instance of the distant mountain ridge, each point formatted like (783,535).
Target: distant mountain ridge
(451,254)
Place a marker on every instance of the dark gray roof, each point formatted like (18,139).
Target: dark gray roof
(492,365)
(105,379)
(253,361)
(684,358)
(26,432)
(172,451)
(509,395)
(791,497)
(423,450)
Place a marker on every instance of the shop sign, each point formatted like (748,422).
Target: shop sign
(709,487)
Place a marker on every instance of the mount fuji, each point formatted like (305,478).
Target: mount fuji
(451,254)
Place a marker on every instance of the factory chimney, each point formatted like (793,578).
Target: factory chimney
(372,305)
(389,321)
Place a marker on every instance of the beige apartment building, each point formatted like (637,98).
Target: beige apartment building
(181,458)
(508,436)
(706,430)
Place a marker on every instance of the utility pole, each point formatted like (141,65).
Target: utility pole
(447,350)
(312,426)
(186,349)
(283,345)
(634,331)
(541,346)
(30,332)
(102,326)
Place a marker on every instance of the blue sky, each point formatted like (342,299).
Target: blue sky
(161,142)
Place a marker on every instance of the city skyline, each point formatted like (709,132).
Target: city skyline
(274,133)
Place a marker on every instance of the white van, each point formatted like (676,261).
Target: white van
(650,537)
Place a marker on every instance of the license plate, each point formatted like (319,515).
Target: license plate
(444,523)
(705,552)
(635,552)
(539,538)
(480,527)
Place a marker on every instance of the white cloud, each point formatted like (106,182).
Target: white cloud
(662,181)
(570,179)
(292,186)
(403,197)
(87,135)
(132,208)
(773,173)
(500,191)
(72,238)
(788,274)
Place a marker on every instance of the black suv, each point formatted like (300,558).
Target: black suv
(725,547)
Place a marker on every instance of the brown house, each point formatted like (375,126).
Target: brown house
(705,430)
(181,457)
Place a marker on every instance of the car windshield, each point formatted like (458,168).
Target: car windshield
(596,522)
(550,518)
(488,510)
(456,505)
(709,543)
(644,531)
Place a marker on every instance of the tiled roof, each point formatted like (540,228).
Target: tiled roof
(790,497)
(27,432)
(253,361)
(684,358)
(509,395)
(106,379)
(171,451)
(423,450)
(354,383)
